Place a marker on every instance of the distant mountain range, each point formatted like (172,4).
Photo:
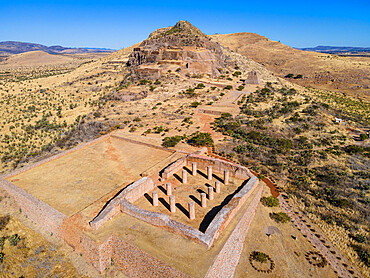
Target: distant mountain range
(13,47)
(337,49)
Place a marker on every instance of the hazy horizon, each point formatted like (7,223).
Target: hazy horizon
(118,24)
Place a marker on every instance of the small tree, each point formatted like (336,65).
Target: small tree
(201,139)
(270,201)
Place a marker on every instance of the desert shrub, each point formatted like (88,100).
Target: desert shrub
(4,220)
(137,119)
(359,238)
(2,257)
(270,201)
(240,88)
(97,114)
(290,75)
(143,82)
(171,141)
(2,241)
(14,239)
(351,149)
(298,76)
(363,253)
(200,86)
(259,256)
(280,217)
(364,136)
(195,104)
(201,139)
(228,87)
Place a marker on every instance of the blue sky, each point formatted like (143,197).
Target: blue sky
(118,24)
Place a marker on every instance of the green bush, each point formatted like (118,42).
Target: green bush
(201,139)
(359,238)
(280,217)
(14,239)
(270,201)
(259,256)
(363,253)
(364,136)
(290,75)
(2,257)
(200,86)
(351,149)
(228,87)
(195,104)
(240,88)
(171,141)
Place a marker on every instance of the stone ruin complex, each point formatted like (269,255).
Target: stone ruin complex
(252,78)
(131,259)
(180,47)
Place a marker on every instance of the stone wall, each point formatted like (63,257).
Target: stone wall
(219,165)
(41,213)
(215,228)
(142,143)
(225,263)
(164,221)
(226,214)
(174,167)
(131,193)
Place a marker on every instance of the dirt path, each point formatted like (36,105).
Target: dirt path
(342,267)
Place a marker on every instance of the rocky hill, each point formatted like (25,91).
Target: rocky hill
(14,47)
(317,70)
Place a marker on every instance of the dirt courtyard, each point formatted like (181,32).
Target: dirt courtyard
(72,182)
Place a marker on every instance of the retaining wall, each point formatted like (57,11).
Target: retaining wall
(131,193)
(226,214)
(44,215)
(225,263)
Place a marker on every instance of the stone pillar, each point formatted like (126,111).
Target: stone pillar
(203,199)
(172,204)
(226,177)
(218,187)
(210,193)
(209,172)
(184,176)
(194,168)
(191,205)
(155,198)
(168,189)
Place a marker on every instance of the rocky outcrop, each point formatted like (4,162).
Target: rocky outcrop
(183,46)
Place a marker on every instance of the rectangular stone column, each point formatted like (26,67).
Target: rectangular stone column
(191,205)
(226,177)
(168,189)
(194,168)
(218,186)
(210,193)
(172,204)
(209,172)
(203,199)
(184,176)
(155,198)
